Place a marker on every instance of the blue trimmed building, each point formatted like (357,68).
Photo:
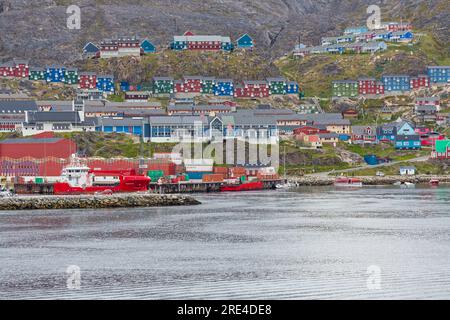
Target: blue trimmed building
(292,87)
(147,46)
(245,42)
(393,83)
(55,74)
(105,83)
(439,74)
(224,87)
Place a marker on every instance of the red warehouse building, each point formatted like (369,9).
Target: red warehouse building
(37,148)
(87,80)
(421,81)
(370,86)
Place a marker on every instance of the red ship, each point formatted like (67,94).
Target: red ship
(78,179)
(246,186)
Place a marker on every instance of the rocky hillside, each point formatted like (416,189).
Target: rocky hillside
(36,29)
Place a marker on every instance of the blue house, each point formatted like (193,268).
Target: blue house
(408,142)
(245,42)
(405,128)
(55,74)
(356,30)
(90,50)
(387,133)
(105,83)
(439,74)
(124,86)
(396,83)
(382,35)
(401,36)
(148,47)
(224,87)
(292,87)
(123,125)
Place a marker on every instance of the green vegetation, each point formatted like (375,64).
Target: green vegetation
(425,167)
(384,150)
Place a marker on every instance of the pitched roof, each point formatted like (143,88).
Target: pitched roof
(17,106)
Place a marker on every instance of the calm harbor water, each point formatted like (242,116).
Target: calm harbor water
(308,243)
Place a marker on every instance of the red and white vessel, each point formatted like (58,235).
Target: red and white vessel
(78,178)
(348,182)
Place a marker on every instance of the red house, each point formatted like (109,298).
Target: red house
(178,86)
(421,81)
(15,68)
(428,101)
(306,130)
(87,80)
(21,69)
(370,86)
(398,26)
(192,84)
(252,89)
(7,69)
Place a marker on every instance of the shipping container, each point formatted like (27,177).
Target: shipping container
(197,175)
(216,177)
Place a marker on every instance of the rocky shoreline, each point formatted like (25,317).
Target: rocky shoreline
(94,201)
(367,180)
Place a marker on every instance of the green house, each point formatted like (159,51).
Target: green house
(147,86)
(71,76)
(37,74)
(163,85)
(277,86)
(442,149)
(345,88)
(208,84)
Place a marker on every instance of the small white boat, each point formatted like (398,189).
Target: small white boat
(284,185)
(6,194)
(404,184)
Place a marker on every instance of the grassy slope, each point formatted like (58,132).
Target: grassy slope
(316,72)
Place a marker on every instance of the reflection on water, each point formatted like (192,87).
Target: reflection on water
(304,243)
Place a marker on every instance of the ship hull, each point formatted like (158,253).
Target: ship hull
(249,186)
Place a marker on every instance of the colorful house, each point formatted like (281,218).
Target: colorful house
(356,30)
(370,86)
(277,86)
(292,87)
(245,42)
(208,84)
(192,84)
(396,26)
(7,69)
(37,74)
(407,171)
(124,46)
(87,80)
(163,85)
(345,88)
(387,133)
(224,87)
(55,74)
(424,101)
(441,150)
(364,135)
(105,83)
(439,74)
(188,41)
(71,76)
(252,89)
(382,35)
(396,83)
(401,36)
(408,142)
(147,47)
(421,81)
(90,50)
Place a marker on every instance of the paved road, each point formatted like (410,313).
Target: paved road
(366,166)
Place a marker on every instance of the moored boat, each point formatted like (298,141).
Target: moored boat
(245,186)
(77,178)
(434,182)
(348,182)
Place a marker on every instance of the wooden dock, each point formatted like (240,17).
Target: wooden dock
(195,187)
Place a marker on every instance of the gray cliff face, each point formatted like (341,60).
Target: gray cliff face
(36,29)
